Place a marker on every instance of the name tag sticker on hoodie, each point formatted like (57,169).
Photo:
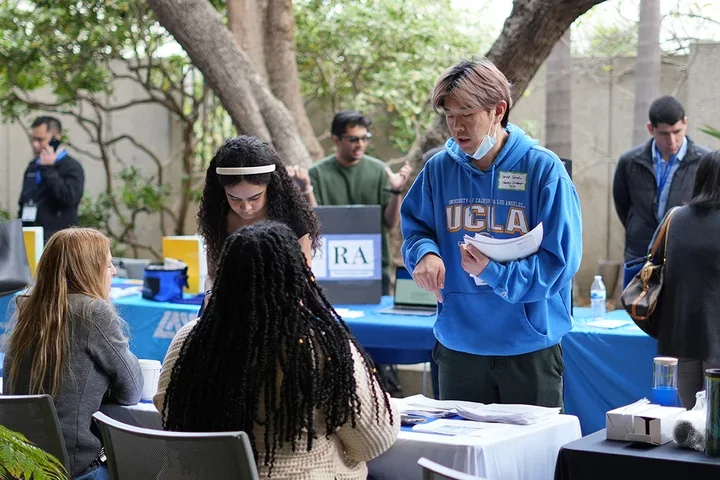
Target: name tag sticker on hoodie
(512,181)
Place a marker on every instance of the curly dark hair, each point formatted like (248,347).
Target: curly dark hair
(267,318)
(285,201)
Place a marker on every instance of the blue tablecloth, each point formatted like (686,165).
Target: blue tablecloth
(604,368)
(388,338)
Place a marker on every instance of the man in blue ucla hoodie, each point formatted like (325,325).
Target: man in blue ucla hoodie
(498,332)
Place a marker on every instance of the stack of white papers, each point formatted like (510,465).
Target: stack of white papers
(508,249)
(608,323)
(508,413)
(347,313)
(446,426)
(423,406)
(117,292)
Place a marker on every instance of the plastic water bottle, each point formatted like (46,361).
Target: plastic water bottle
(597,297)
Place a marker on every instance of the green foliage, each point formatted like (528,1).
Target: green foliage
(4,215)
(80,50)
(613,41)
(23,461)
(713,132)
(64,44)
(381,55)
(137,193)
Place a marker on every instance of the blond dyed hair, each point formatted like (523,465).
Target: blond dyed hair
(473,83)
(74,261)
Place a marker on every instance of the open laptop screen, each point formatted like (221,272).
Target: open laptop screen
(408,294)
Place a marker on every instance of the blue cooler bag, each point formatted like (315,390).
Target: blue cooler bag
(163,284)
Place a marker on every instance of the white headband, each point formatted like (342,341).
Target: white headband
(245,170)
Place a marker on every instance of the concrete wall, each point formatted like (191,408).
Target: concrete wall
(602,117)
(602,130)
(148,124)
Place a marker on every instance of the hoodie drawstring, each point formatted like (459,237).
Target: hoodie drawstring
(492,198)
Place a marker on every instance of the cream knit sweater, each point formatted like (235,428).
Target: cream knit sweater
(342,456)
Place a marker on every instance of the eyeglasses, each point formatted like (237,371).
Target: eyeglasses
(352,139)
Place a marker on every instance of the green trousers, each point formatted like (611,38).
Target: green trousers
(532,378)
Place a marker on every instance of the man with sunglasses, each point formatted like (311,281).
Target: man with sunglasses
(349,177)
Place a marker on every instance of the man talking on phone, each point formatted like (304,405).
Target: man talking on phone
(53,182)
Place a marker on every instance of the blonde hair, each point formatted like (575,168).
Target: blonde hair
(475,84)
(74,261)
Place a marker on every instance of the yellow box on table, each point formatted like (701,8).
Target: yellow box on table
(34,244)
(189,249)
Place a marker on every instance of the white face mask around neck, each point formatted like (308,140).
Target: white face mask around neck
(487,143)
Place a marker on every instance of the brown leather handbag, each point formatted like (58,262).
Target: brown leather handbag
(641,295)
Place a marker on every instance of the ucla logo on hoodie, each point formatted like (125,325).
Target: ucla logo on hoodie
(481,215)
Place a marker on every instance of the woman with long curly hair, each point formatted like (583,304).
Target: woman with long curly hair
(245,183)
(272,358)
(70,343)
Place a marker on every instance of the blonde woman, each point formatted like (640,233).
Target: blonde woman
(69,343)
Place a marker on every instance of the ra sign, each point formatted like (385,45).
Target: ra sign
(348,257)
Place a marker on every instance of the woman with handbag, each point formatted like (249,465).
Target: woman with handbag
(687,315)
(69,343)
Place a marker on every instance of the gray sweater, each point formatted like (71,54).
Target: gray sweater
(101,364)
(688,311)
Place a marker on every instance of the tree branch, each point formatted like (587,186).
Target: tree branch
(137,144)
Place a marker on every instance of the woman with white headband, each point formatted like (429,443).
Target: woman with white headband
(246,183)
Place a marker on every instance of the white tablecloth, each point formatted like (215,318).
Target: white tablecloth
(514,452)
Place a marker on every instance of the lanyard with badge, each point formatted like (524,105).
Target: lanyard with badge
(29,212)
(662,173)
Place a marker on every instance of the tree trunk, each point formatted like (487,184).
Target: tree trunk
(198,28)
(558,91)
(528,36)
(533,28)
(282,69)
(246,22)
(264,30)
(647,67)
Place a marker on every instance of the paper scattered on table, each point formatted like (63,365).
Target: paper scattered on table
(429,407)
(507,249)
(117,292)
(347,313)
(446,426)
(633,407)
(508,413)
(609,323)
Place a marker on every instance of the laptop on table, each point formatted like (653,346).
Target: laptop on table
(409,299)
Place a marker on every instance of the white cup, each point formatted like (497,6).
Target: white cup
(151,375)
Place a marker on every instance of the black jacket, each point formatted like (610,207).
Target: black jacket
(635,192)
(57,197)
(688,311)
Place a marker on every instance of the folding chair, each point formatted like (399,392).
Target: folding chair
(145,454)
(35,417)
(435,471)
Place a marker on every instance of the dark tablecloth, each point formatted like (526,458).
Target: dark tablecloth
(593,457)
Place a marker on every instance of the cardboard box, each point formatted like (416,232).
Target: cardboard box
(189,249)
(34,245)
(655,426)
(619,422)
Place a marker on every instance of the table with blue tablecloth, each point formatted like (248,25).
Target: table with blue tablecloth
(604,368)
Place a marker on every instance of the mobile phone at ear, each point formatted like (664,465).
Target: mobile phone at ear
(54,143)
